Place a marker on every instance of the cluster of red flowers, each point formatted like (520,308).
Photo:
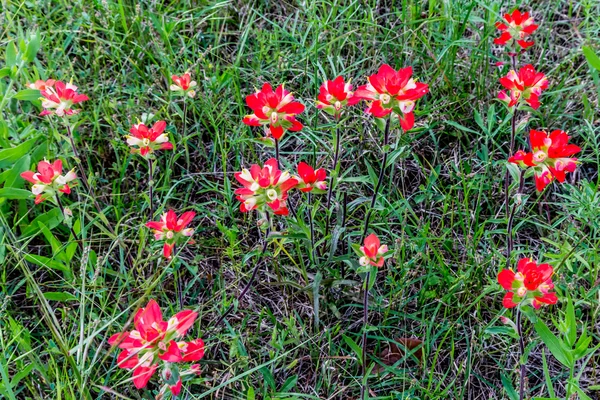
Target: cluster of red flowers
(154,340)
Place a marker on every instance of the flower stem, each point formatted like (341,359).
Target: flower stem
(333,168)
(277,153)
(150,187)
(522,353)
(187,152)
(312,228)
(386,139)
(511,218)
(62,210)
(364,387)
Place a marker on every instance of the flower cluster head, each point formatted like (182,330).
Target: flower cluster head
(171,229)
(527,85)
(183,85)
(267,185)
(58,97)
(517,27)
(531,283)
(154,340)
(48,181)
(335,95)
(393,91)
(275,109)
(372,252)
(145,140)
(550,157)
(309,179)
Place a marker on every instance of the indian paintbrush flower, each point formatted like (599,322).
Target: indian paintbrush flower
(172,229)
(145,140)
(154,340)
(393,91)
(532,283)
(48,181)
(335,95)
(309,178)
(275,109)
(58,97)
(550,157)
(527,85)
(372,251)
(516,26)
(264,186)
(183,85)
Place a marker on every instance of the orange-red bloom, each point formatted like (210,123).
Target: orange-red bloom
(48,181)
(183,85)
(518,27)
(527,85)
(58,97)
(309,179)
(335,95)
(264,186)
(393,91)
(153,340)
(171,229)
(550,157)
(531,283)
(146,140)
(275,109)
(372,251)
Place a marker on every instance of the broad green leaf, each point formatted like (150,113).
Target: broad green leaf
(28,94)
(47,262)
(13,176)
(554,344)
(11,54)
(591,57)
(355,347)
(51,219)
(289,384)
(60,296)
(4,72)
(509,388)
(571,322)
(32,47)
(14,193)
(10,156)
(250,395)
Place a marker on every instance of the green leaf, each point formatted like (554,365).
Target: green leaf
(4,72)
(571,322)
(250,395)
(28,94)
(60,296)
(354,346)
(591,57)
(47,262)
(13,176)
(289,384)
(547,377)
(14,193)
(509,388)
(9,156)
(32,47)
(10,56)
(554,344)
(51,219)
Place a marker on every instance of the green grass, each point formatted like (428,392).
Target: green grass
(441,209)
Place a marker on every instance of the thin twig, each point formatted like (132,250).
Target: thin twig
(511,217)
(522,353)
(363,388)
(386,139)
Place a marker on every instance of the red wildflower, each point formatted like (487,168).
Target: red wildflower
(335,95)
(152,340)
(277,109)
(171,229)
(267,185)
(146,140)
(59,97)
(550,157)
(531,283)
(183,85)
(527,84)
(372,251)
(309,179)
(393,91)
(516,27)
(48,181)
